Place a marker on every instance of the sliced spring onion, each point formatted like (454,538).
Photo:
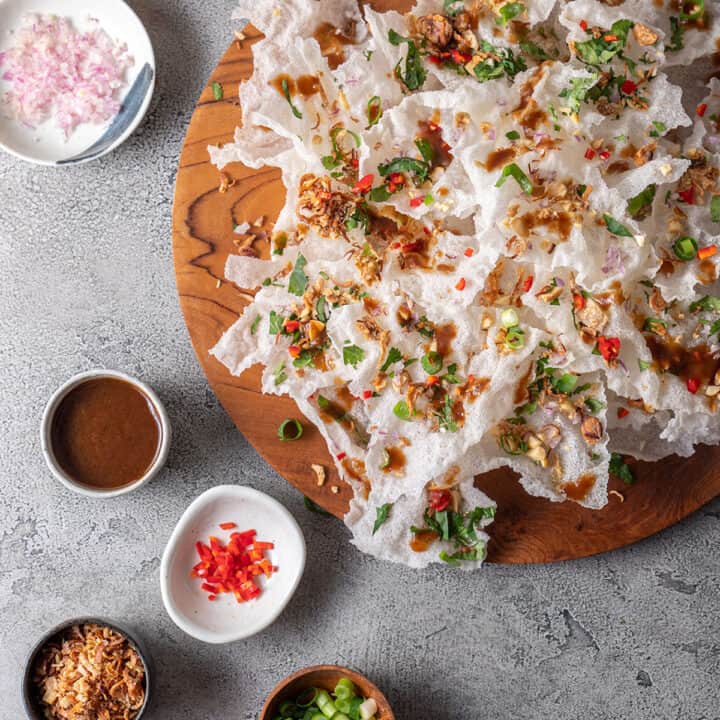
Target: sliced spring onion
(509,318)
(295,433)
(515,338)
(326,705)
(307,698)
(432,362)
(685,248)
(368,709)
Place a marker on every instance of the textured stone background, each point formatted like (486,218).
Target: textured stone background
(87,281)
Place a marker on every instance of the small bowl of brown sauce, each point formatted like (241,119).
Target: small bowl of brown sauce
(105,433)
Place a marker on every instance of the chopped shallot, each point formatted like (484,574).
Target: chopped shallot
(59,73)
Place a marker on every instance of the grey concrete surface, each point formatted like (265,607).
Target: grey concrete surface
(87,281)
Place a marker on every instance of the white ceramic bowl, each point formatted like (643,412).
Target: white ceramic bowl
(46,145)
(46,434)
(225,620)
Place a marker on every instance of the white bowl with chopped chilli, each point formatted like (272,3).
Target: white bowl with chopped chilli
(57,665)
(231,565)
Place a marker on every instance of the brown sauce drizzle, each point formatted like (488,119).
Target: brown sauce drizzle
(521,389)
(559,224)
(707,272)
(422,540)
(499,158)
(432,133)
(617,167)
(305,85)
(667,267)
(696,362)
(579,490)
(105,433)
(332,42)
(444,335)
(396,461)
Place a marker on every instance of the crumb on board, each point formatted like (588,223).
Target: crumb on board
(319,471)
(618,494)
(334,489)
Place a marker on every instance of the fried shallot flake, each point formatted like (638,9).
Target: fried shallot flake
(89,672)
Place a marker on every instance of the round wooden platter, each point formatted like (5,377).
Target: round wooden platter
(526,529)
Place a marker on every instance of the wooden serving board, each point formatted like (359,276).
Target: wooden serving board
(526,529)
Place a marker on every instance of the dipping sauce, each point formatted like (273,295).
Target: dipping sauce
(105,433)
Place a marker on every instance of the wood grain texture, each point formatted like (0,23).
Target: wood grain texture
(526,529)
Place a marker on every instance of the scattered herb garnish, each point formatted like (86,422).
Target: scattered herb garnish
(402,410)
(639,206)
(510,11)
(352,355)
(392,357)
(432,362)
(382,513)
(715,208)
(254,326)
(298,278)
(276,323)
(290,429)
(288,97)
(217,89)
(620,469)
(512,170)
(415,74)
(418,168)
(615,227)
(374,110)
(603,49)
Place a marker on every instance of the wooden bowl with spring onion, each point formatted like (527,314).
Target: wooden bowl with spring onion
(325,678)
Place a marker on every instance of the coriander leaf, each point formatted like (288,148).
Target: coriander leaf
(217,89)
(512,135)
(464,555)
(382,513)
(352,355)
(425,149)
(600,50)
(298,278)
(419,169)
(379,194)
(446,416)
(577,93)
(254,326)
(512,170)
(715,209)
(565,384)
(534,51)
(509,11)
(415,73)
(620,469)
(304,359)
(442,523)
(643,365)
(639,206)
(392,357)
(615,227)
(677,31)
(594,405)
(276,322)
(709,303)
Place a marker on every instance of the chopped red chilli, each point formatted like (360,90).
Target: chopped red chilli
(235,567)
